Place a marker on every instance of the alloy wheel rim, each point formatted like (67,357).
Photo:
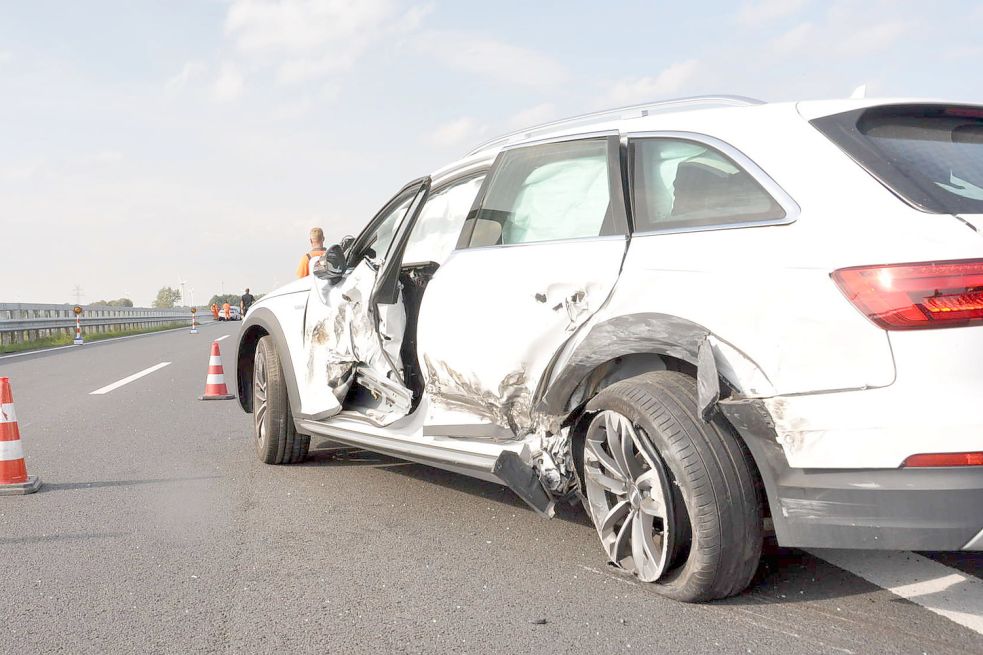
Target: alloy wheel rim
(628,495)
(260,405)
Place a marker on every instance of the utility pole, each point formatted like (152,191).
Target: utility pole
(78,294)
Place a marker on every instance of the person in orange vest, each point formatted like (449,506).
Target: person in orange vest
(215,311)
(317,249)
(226,308)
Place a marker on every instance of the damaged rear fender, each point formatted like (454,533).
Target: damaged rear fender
(626,346)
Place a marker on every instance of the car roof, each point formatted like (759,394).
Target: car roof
(696,114)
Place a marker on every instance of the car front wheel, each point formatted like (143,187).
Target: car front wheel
(675,500)
(277,439)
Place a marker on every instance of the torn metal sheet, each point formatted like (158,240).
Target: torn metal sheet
(344,345)
(520,478)
(552,458)
(707,381)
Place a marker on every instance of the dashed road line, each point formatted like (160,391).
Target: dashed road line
(128,379)
(936,587)
(224,336)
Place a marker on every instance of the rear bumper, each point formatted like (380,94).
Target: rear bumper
(890,509)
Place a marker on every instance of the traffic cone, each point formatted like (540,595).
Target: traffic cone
(14,480)
(215,388)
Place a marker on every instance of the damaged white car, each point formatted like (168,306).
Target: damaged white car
(693,316)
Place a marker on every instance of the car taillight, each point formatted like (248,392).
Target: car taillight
(944,459)
(916,296)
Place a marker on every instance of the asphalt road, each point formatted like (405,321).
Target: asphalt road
(158,531)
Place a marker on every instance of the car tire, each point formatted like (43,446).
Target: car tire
(277,439)
(698,476)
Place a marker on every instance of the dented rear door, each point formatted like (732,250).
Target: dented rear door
(540,253)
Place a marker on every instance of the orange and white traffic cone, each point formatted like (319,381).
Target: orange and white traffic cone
(215,388)
(14,479)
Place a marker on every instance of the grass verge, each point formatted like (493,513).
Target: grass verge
(66,339)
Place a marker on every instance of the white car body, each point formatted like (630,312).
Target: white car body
(511,339)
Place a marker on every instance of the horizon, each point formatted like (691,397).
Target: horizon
(198,142)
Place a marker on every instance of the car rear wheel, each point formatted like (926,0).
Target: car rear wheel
(277,439)
(675,500)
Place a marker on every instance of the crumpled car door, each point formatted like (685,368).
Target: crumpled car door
(341,328)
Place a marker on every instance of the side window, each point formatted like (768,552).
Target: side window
(439,225)
(374,243)
(679,184)
(546,192)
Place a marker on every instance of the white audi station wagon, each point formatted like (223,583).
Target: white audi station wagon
(698,317)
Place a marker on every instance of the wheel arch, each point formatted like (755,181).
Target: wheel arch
(630,345)
(638,343)
(259,323)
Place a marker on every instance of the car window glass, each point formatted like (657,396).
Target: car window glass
(547,192)
(680,184)
(943,154)
(374,246)
(439,224)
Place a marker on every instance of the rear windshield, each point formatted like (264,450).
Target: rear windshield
(930,155)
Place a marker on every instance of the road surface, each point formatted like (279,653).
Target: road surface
(158,531)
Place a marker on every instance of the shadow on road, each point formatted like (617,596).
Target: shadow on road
(335,456)
(785,575)
(69,486)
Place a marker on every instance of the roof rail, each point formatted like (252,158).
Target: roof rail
(632,111)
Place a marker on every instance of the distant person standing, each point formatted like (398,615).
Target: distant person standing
(227,310)
(317,249)
(215,311)
(245,301)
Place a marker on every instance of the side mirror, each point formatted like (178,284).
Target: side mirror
(347,243)
(331,265)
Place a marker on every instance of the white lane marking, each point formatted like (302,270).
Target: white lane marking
(128,379)
(11,450)
(129,336)
(936,587)
(224,336)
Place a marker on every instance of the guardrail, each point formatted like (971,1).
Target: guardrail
(20,322)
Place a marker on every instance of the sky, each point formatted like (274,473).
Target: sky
(145,143)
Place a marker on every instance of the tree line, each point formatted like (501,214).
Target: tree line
(169,297)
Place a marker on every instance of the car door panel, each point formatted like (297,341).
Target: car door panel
(342,341)
(494,316)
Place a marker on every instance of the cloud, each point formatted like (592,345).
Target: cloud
(491,58)
(456,132)
(102,158)
(190,71)
(309,39)
(532,116)
(873,39)
(228,86)
(765,11)
(22,171)
(795,39)
(963,52)
(645,89)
